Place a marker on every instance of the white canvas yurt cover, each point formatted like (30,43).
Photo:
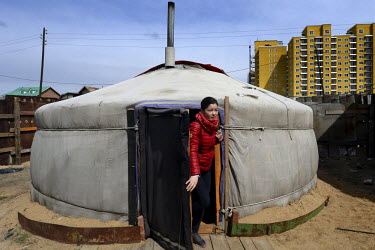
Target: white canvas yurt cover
(80,153)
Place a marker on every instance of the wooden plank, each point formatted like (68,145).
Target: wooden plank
(23,151)
(234,243)
(25,129)
(6,134)
(17,131)
(6,116)
(207,239)
(226,157)
(248,243)
(217,180)
(262,244)
(219,242)
(5,150)
(27,112)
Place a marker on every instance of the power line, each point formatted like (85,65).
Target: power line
(6,44)
(65,83)
(148,47)
(19,49)
(186,33)
(21,38)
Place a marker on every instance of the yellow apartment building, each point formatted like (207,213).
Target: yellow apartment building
(321,63)
(270,66)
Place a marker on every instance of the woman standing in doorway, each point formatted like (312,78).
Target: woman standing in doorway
(204,134)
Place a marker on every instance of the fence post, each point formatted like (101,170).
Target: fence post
(17,130)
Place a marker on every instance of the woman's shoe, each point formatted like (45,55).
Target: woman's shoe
(198,240)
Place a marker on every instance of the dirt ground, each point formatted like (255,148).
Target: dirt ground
(351,206)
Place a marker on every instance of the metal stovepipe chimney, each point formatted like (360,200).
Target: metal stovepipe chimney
(169,50)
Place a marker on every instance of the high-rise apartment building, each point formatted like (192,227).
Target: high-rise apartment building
(320,63)
(271,66)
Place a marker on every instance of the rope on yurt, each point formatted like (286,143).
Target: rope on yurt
(87,129)
(230,209)
(251,128)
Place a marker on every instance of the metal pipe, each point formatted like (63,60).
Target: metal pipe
(169,50)
(170,42)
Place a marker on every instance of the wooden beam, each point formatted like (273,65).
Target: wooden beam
(6,134)
(226,157)
(217,180)
(17,131)
(24,129)
(27,112)
(5,150)
(6,116)
(23,151)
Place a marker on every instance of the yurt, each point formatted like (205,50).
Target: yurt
(122,151)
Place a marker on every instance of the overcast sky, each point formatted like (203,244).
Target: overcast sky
(105,42)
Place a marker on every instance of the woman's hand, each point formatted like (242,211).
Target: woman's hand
(192,183)
(219,135)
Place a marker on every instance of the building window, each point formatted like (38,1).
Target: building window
(297,81)
(339,69)
(360,31)
(311,58)
(297,64)
(274,55)
(297,76)
(311,64)
(339,75)
(270,60)
(274,60)
(339,39)
(326,63)
(339,57)
(312,46)
(346,86)
(346,39)
(326,69)
(312,40)
(346,51)
(346,69)
(297,47)
(311,75)
(346,45)
(297,70)
(361,62)
(311,93)
(297,52)
(326,87)
(297,87)
(361,74)
(326,51)
(361,68)
(339,85)
(326,75)
(346,63)
(311,52)
(327,45)
(326,57)
(297,93)
(297,41)
(297,58)
(312,81)
(326,31)
(339,63)
(339,52)
(327,39)
(311,32)
(346,57)
(311,69)
(346,75)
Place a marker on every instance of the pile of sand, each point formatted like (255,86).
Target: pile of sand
(306,204)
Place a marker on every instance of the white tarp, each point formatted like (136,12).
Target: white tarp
(77,161)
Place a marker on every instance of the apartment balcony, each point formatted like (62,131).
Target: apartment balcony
(352,77)
(368,51)
(318,90)
(353,83)
(352,59)
(333,77)
(353,89)
(333,90)
(353,41)
(353,65)
(333,84)
(303,90)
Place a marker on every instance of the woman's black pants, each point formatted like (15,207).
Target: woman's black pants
(200,199)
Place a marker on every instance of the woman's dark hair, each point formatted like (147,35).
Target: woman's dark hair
(207,101)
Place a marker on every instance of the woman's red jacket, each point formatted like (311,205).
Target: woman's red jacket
(202,142)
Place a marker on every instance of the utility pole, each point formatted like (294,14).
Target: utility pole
(42,66)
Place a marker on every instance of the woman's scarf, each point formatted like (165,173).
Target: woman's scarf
(210,125)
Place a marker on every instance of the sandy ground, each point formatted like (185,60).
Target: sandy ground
(351,206)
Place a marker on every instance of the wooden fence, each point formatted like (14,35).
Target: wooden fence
(17,127)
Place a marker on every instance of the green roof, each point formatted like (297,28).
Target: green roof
(27,91)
